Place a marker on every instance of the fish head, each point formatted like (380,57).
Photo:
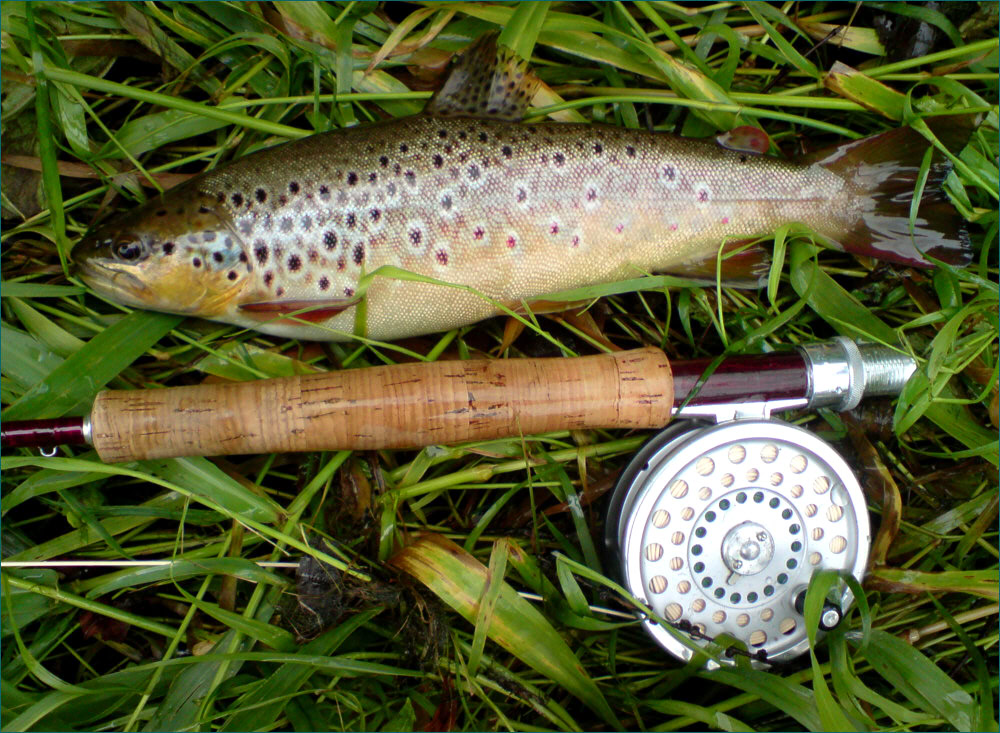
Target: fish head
(178,253)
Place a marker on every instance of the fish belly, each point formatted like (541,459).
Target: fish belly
(504,212)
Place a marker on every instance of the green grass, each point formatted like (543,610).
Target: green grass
(104,103)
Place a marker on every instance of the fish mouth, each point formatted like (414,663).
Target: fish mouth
(111,280)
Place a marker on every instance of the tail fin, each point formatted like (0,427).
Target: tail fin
(883,170)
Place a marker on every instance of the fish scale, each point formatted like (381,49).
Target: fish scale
(280,240)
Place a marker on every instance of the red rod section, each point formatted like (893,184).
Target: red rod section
(742,379)
(42,433)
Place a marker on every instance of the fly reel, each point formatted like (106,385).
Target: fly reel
(719,529)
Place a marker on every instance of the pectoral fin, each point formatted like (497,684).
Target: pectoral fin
(487,80)
(313,311)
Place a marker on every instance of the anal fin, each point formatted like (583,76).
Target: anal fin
(744,265)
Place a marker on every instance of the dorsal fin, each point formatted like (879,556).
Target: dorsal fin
(487,80)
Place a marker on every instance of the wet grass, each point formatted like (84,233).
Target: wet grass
(106,103)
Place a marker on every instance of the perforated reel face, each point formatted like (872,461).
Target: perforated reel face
(724,526)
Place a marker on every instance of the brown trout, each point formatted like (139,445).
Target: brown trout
(465,194)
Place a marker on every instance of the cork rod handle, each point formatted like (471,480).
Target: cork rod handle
(400,406)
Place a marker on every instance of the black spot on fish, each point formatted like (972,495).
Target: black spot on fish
(237,199)
(261,195)
(232,275)
(260,251)
(282,200)
(359,254)
(324,283)
(461,135)
(352,178)
(558,158)
(330,240)
(294,263)
(350,219)
(446,202)
(324,192)
(201,210)
(168,248)
(268,278)
(630,151)
(196,262)
(669,173)
(522,195)
(372,177)
(243,256)
(410,177)
(383,161)
(220,197)
(483,137)
(438,161)
(404,148)
(217,256)
(293,187)
(441,256)
(375,215)
(348,292)
(416,236)
(442,134)
(161,212)
(280,291)
(598,148)
(474,172)
(743,158)
(506,150)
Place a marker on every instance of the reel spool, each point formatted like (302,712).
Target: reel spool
(722,527)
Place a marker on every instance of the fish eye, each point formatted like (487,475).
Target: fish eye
(129,250)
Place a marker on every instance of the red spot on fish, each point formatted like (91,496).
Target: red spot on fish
(591,194)
(673,227)
(725,220)
(554,228)
(703,195)
(511,242)
(575,242)
(341,264)
(619,228)
(478,233)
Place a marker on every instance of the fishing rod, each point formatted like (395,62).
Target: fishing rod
(718,524)
(413,405)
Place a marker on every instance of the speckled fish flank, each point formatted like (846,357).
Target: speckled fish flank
(465,195)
